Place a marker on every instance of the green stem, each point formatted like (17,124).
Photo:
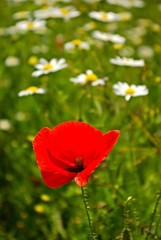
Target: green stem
(154,213)
(86,205)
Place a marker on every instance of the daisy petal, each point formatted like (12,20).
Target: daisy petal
(37,73)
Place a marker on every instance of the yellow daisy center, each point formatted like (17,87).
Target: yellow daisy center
(91,77)
(30,25)
(104,15)
(130,90)
(64,11)
(32,89)
(76,42)
(48,66)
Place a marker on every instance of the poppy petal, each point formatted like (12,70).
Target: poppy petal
(71,140)
(110,138)
(51,169)
(44,158)
(40,144)
(81,181)
(71,150)
(54,179)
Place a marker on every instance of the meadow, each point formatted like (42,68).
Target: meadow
(106,72)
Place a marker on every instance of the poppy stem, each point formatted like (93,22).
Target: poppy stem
(87,208)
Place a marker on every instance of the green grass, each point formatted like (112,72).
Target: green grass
(123,193)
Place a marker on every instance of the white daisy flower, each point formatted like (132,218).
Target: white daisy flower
(124,16)
(30,25)
(127,3)
(21,15)
(89,26)
(45,67)
(42,2)
(13,30)
(44,13)
(104,16)
(16,1)
(12,61)
(128,91)
(31,90)
(66,13)
(145,52)
(127,62)
(76,44)
(114,38)
(89,78)
(5,124)
(91,1)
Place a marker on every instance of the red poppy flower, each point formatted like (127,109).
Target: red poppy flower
(71,150)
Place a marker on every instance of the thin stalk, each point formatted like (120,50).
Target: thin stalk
(86,206)
(154,213)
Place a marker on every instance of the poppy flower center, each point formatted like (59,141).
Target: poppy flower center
(77,167)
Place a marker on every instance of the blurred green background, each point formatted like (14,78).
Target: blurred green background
(124,192)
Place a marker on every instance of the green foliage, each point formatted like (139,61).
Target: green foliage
(124,192)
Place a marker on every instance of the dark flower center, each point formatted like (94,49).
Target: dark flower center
(78,167)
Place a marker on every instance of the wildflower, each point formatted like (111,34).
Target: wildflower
(42,2)
(76,44)
(12,61)
(88,78)
(13,30)
(71,150)
(39,208)
(110,16)
(89,26)
(91,1)
(127,3)
(45,67)
(33,60)
(45,197)
(16,1)
(66,13)
(128,91)
(126,51)
(31,90)
(28,25)
(124,16)
(145,52)
(5,124)
(21,15)
(114,38)
(44,13)
(20,116)
(127,62)
(39,49)
(104,16)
